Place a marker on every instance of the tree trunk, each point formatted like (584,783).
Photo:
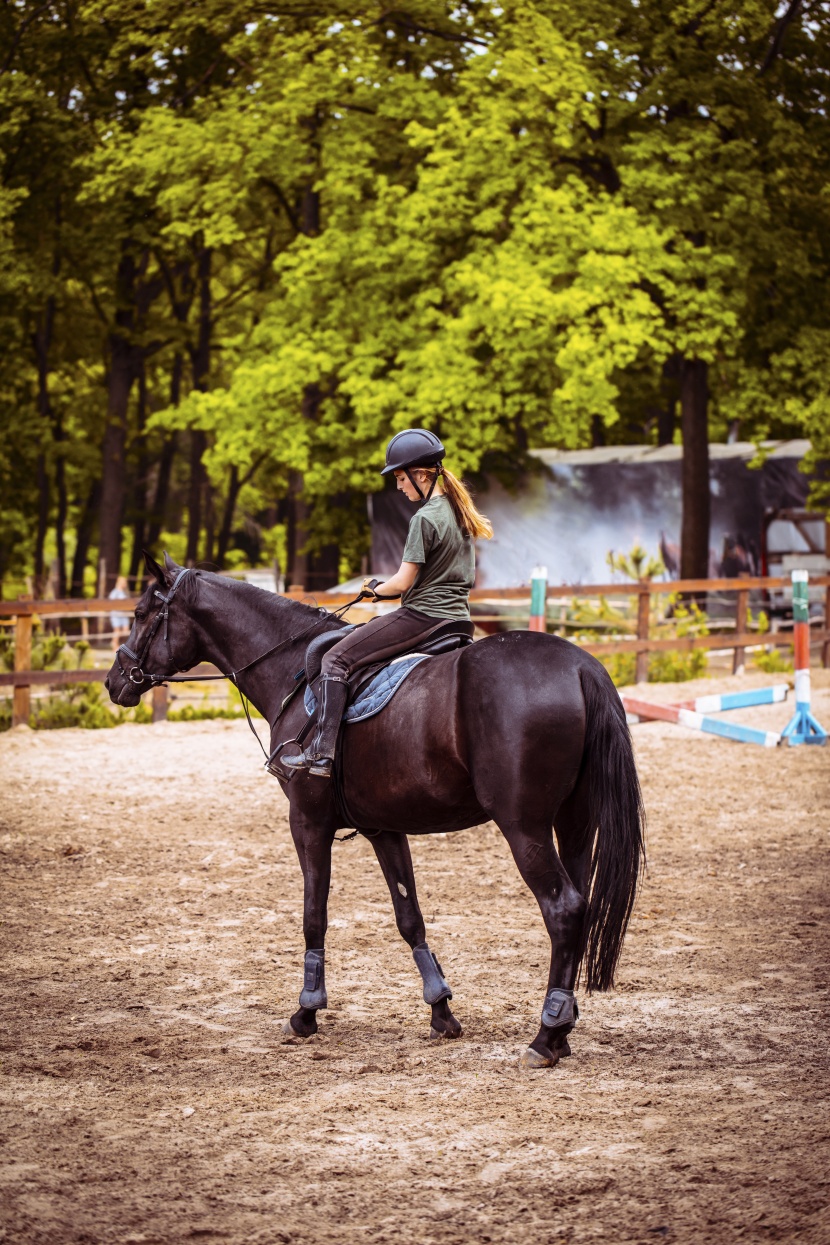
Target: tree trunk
(227,517)
(113,465)
(168,453)
(142,470)
(296,570)
(122,371)
(667,411)
(210,523)
(42,524)
(666,422)
(694,536)
(200,367)
(42,344)
(84,539)
(63,504)
(198,445)
(159,507)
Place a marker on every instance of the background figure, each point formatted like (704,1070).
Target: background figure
(120,623)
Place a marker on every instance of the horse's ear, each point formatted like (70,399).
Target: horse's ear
(170,566)
(154,569)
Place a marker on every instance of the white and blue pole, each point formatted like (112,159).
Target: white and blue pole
(802,727)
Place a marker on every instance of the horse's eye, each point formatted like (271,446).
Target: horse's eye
(140,615)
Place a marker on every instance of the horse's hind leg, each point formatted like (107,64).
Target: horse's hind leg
(563,911)
(392,851)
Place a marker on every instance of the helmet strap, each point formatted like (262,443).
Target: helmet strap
(439,471)
(415,484)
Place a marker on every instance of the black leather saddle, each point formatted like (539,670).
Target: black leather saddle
(445,636)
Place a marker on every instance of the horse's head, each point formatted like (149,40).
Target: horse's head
(161,642)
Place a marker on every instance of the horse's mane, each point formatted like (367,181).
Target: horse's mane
(267,604)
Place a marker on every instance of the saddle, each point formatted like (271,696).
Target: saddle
(442,638)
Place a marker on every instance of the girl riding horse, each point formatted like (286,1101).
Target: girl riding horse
(433,580)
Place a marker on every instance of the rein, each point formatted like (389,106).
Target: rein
(138,676)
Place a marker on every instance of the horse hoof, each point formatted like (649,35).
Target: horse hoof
(437,1035)
(288,1031)
(532,1059)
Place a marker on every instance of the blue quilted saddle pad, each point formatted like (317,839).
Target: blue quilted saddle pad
(377,694)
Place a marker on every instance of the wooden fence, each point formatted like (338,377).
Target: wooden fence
(22,612)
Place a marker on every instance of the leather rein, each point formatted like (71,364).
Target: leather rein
(139,677)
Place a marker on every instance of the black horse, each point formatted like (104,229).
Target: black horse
(520,728)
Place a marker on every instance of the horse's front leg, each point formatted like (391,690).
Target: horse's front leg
(313,839)
(392,851)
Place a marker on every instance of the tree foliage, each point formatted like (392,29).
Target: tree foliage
(242,246)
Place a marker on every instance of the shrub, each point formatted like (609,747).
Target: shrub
(674,666)
(82,705)
(671,666)
(203,713)
(773,661)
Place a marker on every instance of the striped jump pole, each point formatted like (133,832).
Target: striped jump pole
(737,700)
(648,711)
(538,598)
(802,727)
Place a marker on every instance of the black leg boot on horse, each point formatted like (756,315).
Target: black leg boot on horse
(318,757)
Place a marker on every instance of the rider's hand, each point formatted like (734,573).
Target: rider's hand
(372,585)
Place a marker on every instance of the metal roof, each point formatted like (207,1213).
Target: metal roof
(670,453)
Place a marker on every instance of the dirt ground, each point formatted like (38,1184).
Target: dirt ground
(152,949)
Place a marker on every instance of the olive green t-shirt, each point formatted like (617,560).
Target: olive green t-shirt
(448,562)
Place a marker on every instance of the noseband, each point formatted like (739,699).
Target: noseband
(136,673)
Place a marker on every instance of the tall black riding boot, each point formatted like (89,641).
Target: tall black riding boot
(333,692)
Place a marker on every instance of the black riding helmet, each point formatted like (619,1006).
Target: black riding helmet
(414,447)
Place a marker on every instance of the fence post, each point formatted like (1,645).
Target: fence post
(643,613)
(100,626)
(160,703)
(21,702)
(538,598)
(741,623)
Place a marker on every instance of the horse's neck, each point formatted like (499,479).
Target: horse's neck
(236,631)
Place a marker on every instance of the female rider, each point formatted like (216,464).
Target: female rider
(434,581)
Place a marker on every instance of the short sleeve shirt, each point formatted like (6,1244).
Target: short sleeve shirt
(447,558)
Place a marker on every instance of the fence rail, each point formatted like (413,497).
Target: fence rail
(22,612)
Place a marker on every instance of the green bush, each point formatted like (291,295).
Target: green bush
(206,712)
(774,661)
(203,713)
(50,650)
(671,666)
(7,650)
(82,705)
(621,666)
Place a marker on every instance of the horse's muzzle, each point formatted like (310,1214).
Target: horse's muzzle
(121,691)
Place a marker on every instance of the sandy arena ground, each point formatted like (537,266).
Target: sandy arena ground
(152,949)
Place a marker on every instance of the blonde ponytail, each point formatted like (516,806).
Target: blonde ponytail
(468,517)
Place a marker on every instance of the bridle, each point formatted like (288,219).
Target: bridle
(141,678)
(136,673)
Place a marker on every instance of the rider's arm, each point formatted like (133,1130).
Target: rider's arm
(400,582)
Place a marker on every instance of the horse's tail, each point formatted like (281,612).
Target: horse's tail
(617,821)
